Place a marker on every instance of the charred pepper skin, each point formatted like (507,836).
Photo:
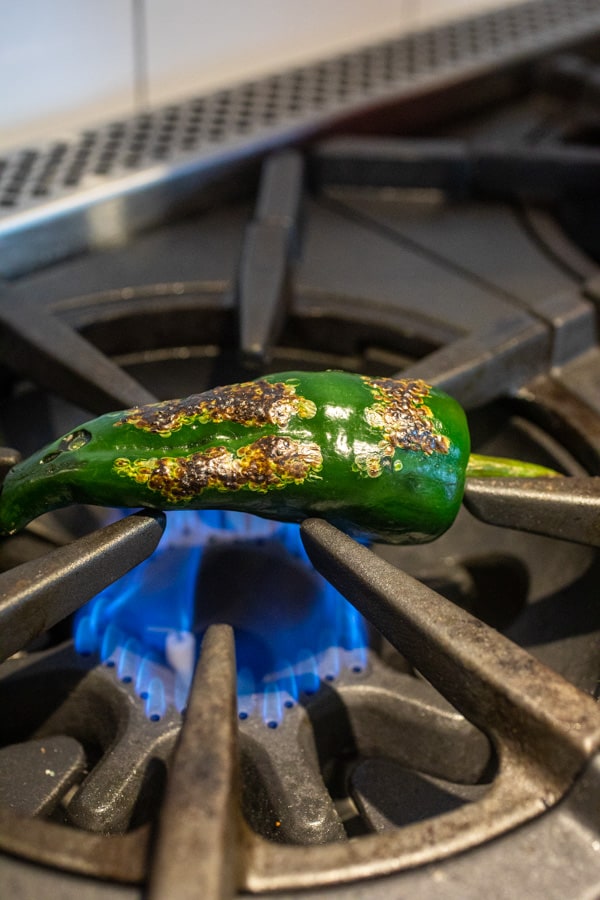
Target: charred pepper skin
(381,458)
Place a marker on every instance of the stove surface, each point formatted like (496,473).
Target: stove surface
(463,755)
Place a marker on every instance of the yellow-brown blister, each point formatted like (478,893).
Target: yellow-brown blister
(272,461)
(251,403)
(404,420)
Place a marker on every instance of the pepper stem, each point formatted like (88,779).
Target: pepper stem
(497,467)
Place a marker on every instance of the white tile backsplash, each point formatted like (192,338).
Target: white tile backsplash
(197,46)
(63,63)
(70,63)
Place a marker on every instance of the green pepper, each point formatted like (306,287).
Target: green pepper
(381,458)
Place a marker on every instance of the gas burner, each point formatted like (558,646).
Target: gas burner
(464,747)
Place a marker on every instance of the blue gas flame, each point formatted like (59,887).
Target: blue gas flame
(293,630)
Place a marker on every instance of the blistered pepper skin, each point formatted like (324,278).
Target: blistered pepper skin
(381,458)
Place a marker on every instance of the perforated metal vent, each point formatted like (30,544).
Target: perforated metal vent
(185,143)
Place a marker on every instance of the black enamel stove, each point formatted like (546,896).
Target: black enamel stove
(427,206)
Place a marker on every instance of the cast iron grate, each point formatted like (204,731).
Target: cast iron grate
(508,318)
(544,731)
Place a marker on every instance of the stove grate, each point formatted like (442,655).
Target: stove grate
(491,337)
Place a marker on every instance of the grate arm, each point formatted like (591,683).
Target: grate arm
(196,844)
(36,595)
(523,706)
(46,350)
(565,508)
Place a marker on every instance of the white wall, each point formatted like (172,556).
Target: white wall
(69,63)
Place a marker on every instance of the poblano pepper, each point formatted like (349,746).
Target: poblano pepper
(381,458)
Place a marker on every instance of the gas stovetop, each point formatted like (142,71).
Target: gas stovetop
(441,222)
